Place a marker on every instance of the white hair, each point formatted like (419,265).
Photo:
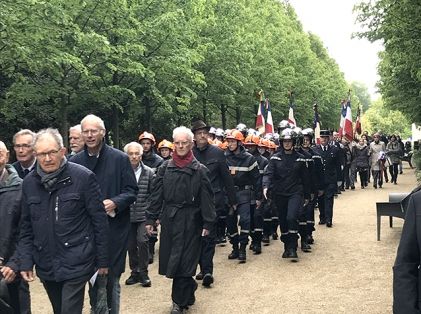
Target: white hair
(3,147)
(24,132)
(95,119)
(76,127)
(134,144)
(54,133)
(183,130)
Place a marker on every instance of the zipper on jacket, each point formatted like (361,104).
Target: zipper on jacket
(56,208)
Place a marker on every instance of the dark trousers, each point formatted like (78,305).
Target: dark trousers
(243,210)
(183,290)
(377,178)
(267,217)
(393,169)
(138,248)
(20,300)
(256,225)
(346,182)
(325,202)
(363,175)
(288,209)
(105,294)
(67,296)
(207,253)
(310,215)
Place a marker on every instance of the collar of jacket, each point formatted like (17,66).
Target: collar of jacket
(241,155)
(13,180)
(100,153)
(194,165)
(64,179)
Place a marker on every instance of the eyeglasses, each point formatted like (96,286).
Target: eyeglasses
(51,153)
(181,143)
(94,132)
(25,146)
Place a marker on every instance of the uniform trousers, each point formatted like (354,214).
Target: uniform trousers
(240,217)
(288,209)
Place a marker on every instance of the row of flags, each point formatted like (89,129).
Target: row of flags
(265,125)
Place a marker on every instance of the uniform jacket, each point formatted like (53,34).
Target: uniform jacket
(187,199)
(118,183)
(10,198)
(406,272)
(311,168)
(331,164)
(287,174)
(63,232)
(214,159)
(152,160)
(138,209)
(244,170)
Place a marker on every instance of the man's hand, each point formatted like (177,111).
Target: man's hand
(8,274)
(320,193)
(27,275)
(109,205)
(205,232)
(258,202)
(102,271)
(305,202)
(149,229)
(265,193)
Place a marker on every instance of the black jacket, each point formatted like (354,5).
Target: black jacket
(331,163)
(19,168)
(118,183)
(10,212)
(63,232)
(244,170)
(152,160)
(287,174)
(187,199)
(406,272)
(214,159)
(360,156)
(138,209)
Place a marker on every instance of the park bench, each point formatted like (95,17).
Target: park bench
(393,208)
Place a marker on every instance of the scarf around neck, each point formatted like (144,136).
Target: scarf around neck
(182,161)
(48,180)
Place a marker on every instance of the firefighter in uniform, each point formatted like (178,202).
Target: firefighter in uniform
(153,161)
(331,177)
(245,172)
(256,214)
(165,149)
(223,186)
(286,181)
(316,184)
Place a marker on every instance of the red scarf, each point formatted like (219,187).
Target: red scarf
(182,161)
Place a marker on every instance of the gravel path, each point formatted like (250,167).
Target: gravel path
(349,271)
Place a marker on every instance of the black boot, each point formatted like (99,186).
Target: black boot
(234,253)
(242,253)
(310,239)
(266,239)
(257,248)
(305,247)
(293,254)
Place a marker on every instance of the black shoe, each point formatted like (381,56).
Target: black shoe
(275,236)
(401,172)
(375,186)
(285,254)
(380,186)
(395,183)
(305,247)
(199,276)
(145,281)
(242,253)
(322,222)
(234,254)
(257,249)
(293,253)
(176,309)
(207,280)
(310,239)
(329,224)
(192,299)
(352,187)
(265,239)
(222,240)
(133,279)
(251,247)
(150,259)
(343,189)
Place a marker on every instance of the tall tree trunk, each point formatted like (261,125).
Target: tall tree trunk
(224,116)
(64,123)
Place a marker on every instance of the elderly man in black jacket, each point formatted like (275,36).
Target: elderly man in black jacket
(63,227)
(119,189)
(223,186)
(10,212)
(182,186)
(138,237)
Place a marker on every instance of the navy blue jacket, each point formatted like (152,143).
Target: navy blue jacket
(118,183)
(63,232)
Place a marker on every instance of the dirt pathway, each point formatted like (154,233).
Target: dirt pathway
(349,271)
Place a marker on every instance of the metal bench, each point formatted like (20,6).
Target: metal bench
(393,208)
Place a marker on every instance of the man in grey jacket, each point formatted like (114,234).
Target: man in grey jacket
(138,237)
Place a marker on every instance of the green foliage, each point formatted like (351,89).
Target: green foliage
(141,65)
(381,118)
(398,25)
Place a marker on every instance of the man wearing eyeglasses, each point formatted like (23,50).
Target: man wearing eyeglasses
(22,144)
(64,228)
(119,190)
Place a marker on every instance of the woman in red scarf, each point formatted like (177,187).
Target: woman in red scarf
(183,188)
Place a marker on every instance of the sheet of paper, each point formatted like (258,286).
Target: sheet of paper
(93,278)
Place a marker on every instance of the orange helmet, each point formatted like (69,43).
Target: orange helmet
(264,143)
(148,136)
(236,135)
(165,144)
(223,145)
(272,145)
(251,140)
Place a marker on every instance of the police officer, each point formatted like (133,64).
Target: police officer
(286,181)
(251,142)
(331,177)
(222,185)
(245,172)
(316,187)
